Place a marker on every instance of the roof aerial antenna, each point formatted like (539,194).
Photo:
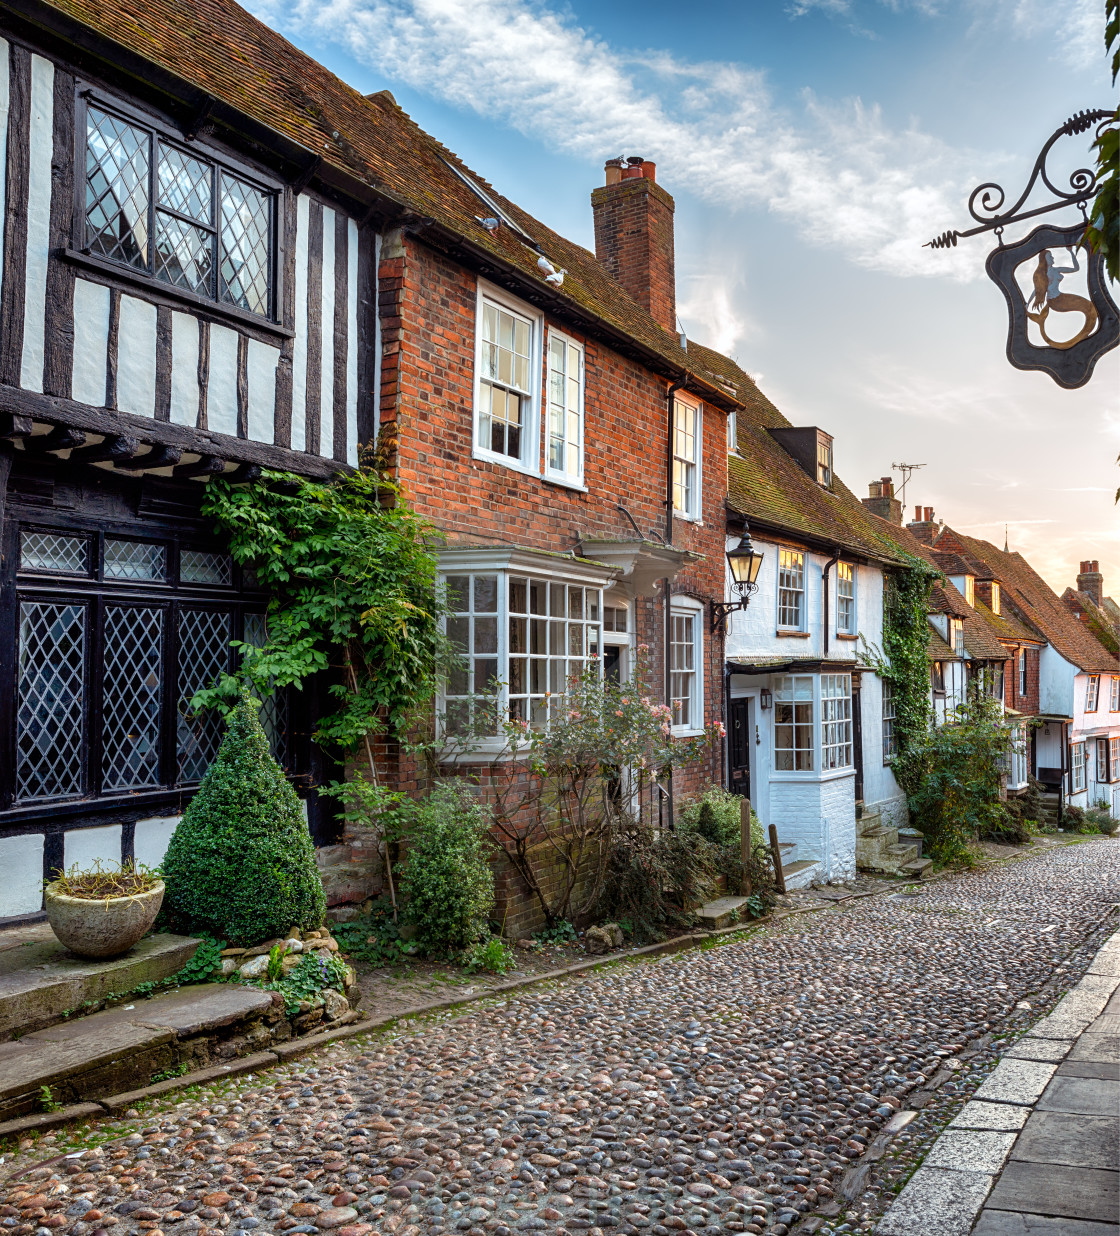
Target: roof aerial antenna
(905,469)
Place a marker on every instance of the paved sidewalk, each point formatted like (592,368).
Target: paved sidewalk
(1036,1152)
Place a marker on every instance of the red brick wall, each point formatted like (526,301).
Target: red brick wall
(634,241)
(1011,697)
(427,306)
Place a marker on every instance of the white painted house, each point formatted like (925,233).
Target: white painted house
(809,732)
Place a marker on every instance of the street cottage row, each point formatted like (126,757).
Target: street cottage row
(218,258)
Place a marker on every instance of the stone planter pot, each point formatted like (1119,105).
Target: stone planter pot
(103,928)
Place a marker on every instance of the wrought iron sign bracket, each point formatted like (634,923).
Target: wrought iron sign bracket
(1068,360)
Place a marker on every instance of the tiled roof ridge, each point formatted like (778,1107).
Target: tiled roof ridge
(1041,607)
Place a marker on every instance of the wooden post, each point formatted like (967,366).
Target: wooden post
(745,847)
(776,852)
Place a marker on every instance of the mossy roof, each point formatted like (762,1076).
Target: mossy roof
(1039,605)
(767,485)
(1093,618)
(937,649)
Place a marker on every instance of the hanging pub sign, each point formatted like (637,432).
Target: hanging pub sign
(1061,318)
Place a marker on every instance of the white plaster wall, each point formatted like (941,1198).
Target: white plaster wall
(85,846)
(221,385)
(136,357)
(21,890)
(38,223)
(753,631)
(879,785)
(152,839)
(91,342)
(184,369)
(1055,683)
(838,816)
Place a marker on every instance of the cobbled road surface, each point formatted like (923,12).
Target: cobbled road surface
(718,1090)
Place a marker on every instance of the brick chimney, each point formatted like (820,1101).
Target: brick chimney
(882,502)
(922,526)
(634,236)
(1091,580)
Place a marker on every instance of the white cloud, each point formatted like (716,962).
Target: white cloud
(844,177)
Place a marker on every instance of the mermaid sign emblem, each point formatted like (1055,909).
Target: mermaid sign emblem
(1049,296)
(1051,327)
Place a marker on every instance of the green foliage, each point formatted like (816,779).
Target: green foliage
(47,1101)
(1029,808)
(905,663)
(559,932)
(276,955)
(954,778)
(492,955)
(375,939)
(716,816)
(179,1070)
(446,878)
(1095,819)
(656,879)
(353,583)
(314,974)
(241,866)
(1103,233)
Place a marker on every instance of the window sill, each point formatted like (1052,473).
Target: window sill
(846,635)
(159,290)
(565,482)
(504,461)
(691,732)
(689,519)
(781,634)
(832,774)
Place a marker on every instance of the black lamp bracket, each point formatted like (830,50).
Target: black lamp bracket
(721,610)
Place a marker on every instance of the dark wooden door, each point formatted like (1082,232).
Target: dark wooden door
(739,748)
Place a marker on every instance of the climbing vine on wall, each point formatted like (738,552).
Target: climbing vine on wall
(352,574)
(904,661)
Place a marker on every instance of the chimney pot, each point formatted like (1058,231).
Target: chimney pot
(1096,565)
(917,514)
(634,236)
(929,514)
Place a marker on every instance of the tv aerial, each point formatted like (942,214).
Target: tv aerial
(906,470)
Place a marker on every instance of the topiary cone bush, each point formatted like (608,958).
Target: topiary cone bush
(241,866)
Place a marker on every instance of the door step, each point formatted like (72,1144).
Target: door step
(800,874)
(41,982)
(721,912)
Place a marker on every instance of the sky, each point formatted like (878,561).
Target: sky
(812,147)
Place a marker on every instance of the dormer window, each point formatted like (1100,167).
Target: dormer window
(824,461)
(970,589)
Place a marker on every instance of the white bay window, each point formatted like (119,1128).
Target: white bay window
(793,724)
(522,633)
(836,721)
(801,744)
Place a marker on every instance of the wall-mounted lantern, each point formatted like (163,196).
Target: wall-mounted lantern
(745,562)
(765,699)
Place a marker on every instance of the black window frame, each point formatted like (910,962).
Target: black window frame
(161,132)
(96,593)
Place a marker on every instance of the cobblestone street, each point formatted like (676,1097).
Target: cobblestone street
(722,1089)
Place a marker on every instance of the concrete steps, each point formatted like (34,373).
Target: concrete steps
(41,982)
(798,872)
(128,1047)
(880,848)
(721,912)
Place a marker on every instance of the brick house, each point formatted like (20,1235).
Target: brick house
(218,257)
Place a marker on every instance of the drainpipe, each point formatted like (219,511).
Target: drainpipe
(666,583)
(824,594)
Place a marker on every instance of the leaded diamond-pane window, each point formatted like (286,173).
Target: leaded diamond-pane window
(213,231)
(204,638)
(274,706)
(246,225)
(50,708)
(118,184)
(54,552)
(135,560)
(130,736)
(197,566)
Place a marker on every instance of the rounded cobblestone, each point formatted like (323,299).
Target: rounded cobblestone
(726,1089)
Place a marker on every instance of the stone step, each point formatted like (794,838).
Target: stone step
(41,981)
(123,1048)
(721,912)
(919,869)
(800,874)
(900,855)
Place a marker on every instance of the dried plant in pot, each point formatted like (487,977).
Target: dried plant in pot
(102,911)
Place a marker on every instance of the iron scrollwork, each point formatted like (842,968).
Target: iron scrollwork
(1030,343)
